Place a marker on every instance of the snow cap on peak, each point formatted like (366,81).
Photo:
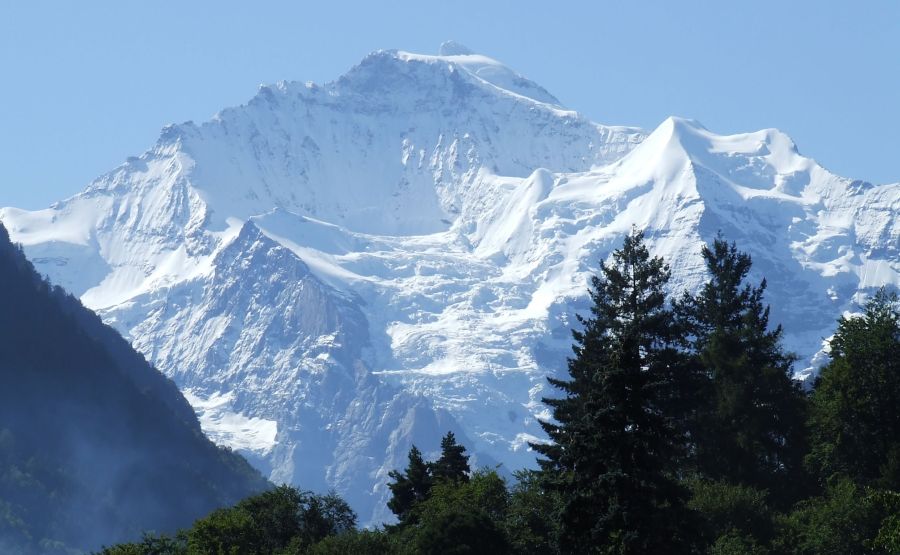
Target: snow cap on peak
(747,160)
(696,138)
(678,125)
(381,68)
(680,133)
(453,48)
(683,134)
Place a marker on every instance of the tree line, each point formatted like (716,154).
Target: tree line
(679,429)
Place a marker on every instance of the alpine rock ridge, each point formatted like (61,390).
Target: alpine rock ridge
(332,273)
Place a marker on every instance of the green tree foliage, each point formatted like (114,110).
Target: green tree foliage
(411,487)
(151,544)
(282,521)
(486,492)
(356,542)
(888,539)
(855,418)
(272,521)
(453,463)
(748,426)
(532,521)
(225,531)
(845,521)
(485,495)
(615,450)
(456,512)
(736,543)
(461,532)
(887,503)
(733,515)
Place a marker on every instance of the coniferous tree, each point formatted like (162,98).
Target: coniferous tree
(453,463)
(749,424)
(855,408)
(411,487)
(615,450)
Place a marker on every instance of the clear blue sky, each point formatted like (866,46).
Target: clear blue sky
(86,84)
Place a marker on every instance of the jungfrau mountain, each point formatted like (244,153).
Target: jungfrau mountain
(334,272)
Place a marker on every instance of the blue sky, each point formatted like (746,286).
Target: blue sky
(86,84)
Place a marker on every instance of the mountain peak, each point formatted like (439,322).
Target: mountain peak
(681,125)
(453,48)
(486,70)
(739,157)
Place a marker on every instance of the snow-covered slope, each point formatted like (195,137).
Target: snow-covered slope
(333,272)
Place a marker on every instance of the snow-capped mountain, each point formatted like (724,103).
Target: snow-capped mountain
(333,272)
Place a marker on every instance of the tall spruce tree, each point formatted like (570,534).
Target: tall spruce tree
(615,450)
(411,487)
(453,464)
(749,425)
(855,409)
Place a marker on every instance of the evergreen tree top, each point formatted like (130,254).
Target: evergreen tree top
(453,463)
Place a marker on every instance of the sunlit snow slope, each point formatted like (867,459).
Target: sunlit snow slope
(334,272)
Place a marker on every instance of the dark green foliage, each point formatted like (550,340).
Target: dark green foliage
(458,512)
(855,418)
(151,545)
(887,503)
(845,521)
(888,539)
(855,437)
(532,521)
(96,446)
(732,515)
(736,543)
(748,425)
(461,532)
(225,531)
(410,487)
(453,463)
(275,520)
(282,521)
(616,450)
(485,492)
(356,542)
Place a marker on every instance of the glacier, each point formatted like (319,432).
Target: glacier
(334,272)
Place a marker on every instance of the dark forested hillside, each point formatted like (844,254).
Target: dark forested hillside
(96,446)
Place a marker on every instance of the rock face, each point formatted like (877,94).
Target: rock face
(334,272)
